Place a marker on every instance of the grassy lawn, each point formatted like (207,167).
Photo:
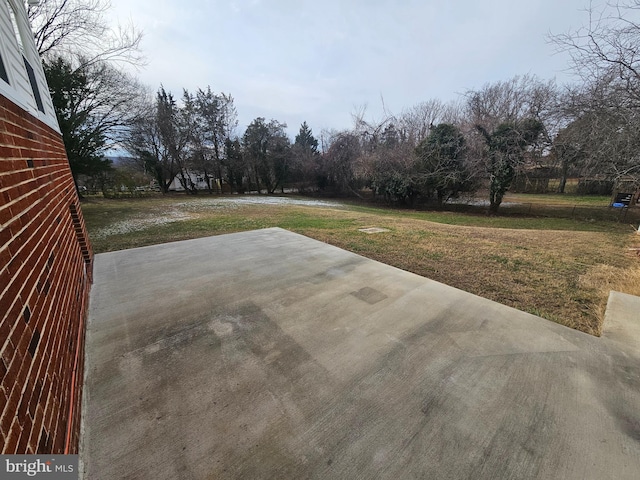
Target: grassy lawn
(560,269)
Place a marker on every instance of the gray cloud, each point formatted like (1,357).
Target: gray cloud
(315,61)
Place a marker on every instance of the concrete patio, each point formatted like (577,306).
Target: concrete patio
(267,354)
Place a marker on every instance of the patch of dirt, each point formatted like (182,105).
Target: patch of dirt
(142,222)
(205,204)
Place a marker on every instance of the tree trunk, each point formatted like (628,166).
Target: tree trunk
(563,184)
(495,199)
(207,179)
(220,179)
(256,176)
(231,181)
(563,178)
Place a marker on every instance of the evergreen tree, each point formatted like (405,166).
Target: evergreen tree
(441,169)
(305,140)
(266,149)
(84,140)
(507,145)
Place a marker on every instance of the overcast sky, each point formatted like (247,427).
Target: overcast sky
(318,61)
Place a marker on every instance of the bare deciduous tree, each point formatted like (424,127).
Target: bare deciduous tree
(145,143)
(608,44)
(415,122)
(339,163)
(504,113)
(213,118)
(604,111)
(95,100)
(94,104)
(80,27)
(159,138)
(512,100)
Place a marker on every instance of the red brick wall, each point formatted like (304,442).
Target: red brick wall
(45,276)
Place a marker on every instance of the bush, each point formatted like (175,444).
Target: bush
(587,186)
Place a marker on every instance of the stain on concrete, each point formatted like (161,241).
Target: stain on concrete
(255,332)
(369,295)
(337,270)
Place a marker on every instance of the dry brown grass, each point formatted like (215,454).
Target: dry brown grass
(561,275)
(603,278)
(543,272)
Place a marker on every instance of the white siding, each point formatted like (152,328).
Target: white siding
(13,58)
(19,89)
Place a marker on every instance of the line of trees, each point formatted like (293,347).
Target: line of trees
(432,151)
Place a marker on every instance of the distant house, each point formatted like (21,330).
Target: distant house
(45,257)
(198,181)
(192,180)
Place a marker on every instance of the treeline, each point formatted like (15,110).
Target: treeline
(432,151)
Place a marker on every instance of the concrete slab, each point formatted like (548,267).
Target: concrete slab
(373,230)
(270,355)
(622,321)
